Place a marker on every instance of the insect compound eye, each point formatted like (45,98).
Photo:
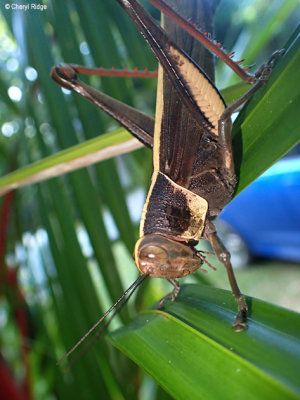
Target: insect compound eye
(153,254)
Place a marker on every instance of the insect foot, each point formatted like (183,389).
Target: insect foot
(240,323)
(64,75)
(265,70)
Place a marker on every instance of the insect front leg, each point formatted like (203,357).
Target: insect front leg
(172,296)
(224,256)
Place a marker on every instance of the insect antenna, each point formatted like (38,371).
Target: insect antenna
(130,290)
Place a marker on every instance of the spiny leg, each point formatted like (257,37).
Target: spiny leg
(224,256)
(212,45)
(172,296)
(204,38)
(262,76)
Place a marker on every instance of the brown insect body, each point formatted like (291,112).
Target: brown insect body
(190,184)
(193,174)
(189,153)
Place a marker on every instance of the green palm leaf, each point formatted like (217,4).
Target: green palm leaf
(192,351)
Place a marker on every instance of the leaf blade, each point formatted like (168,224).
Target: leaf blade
(184,357)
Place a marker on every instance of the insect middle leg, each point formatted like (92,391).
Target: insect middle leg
(225,125)
(229,178)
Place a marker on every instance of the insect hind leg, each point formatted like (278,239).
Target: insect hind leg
(139,124)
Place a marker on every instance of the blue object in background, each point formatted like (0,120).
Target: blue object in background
(266,215)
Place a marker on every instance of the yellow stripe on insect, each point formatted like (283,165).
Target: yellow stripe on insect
(158,119)
(204,93)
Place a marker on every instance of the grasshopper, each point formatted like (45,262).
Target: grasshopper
(193,171)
